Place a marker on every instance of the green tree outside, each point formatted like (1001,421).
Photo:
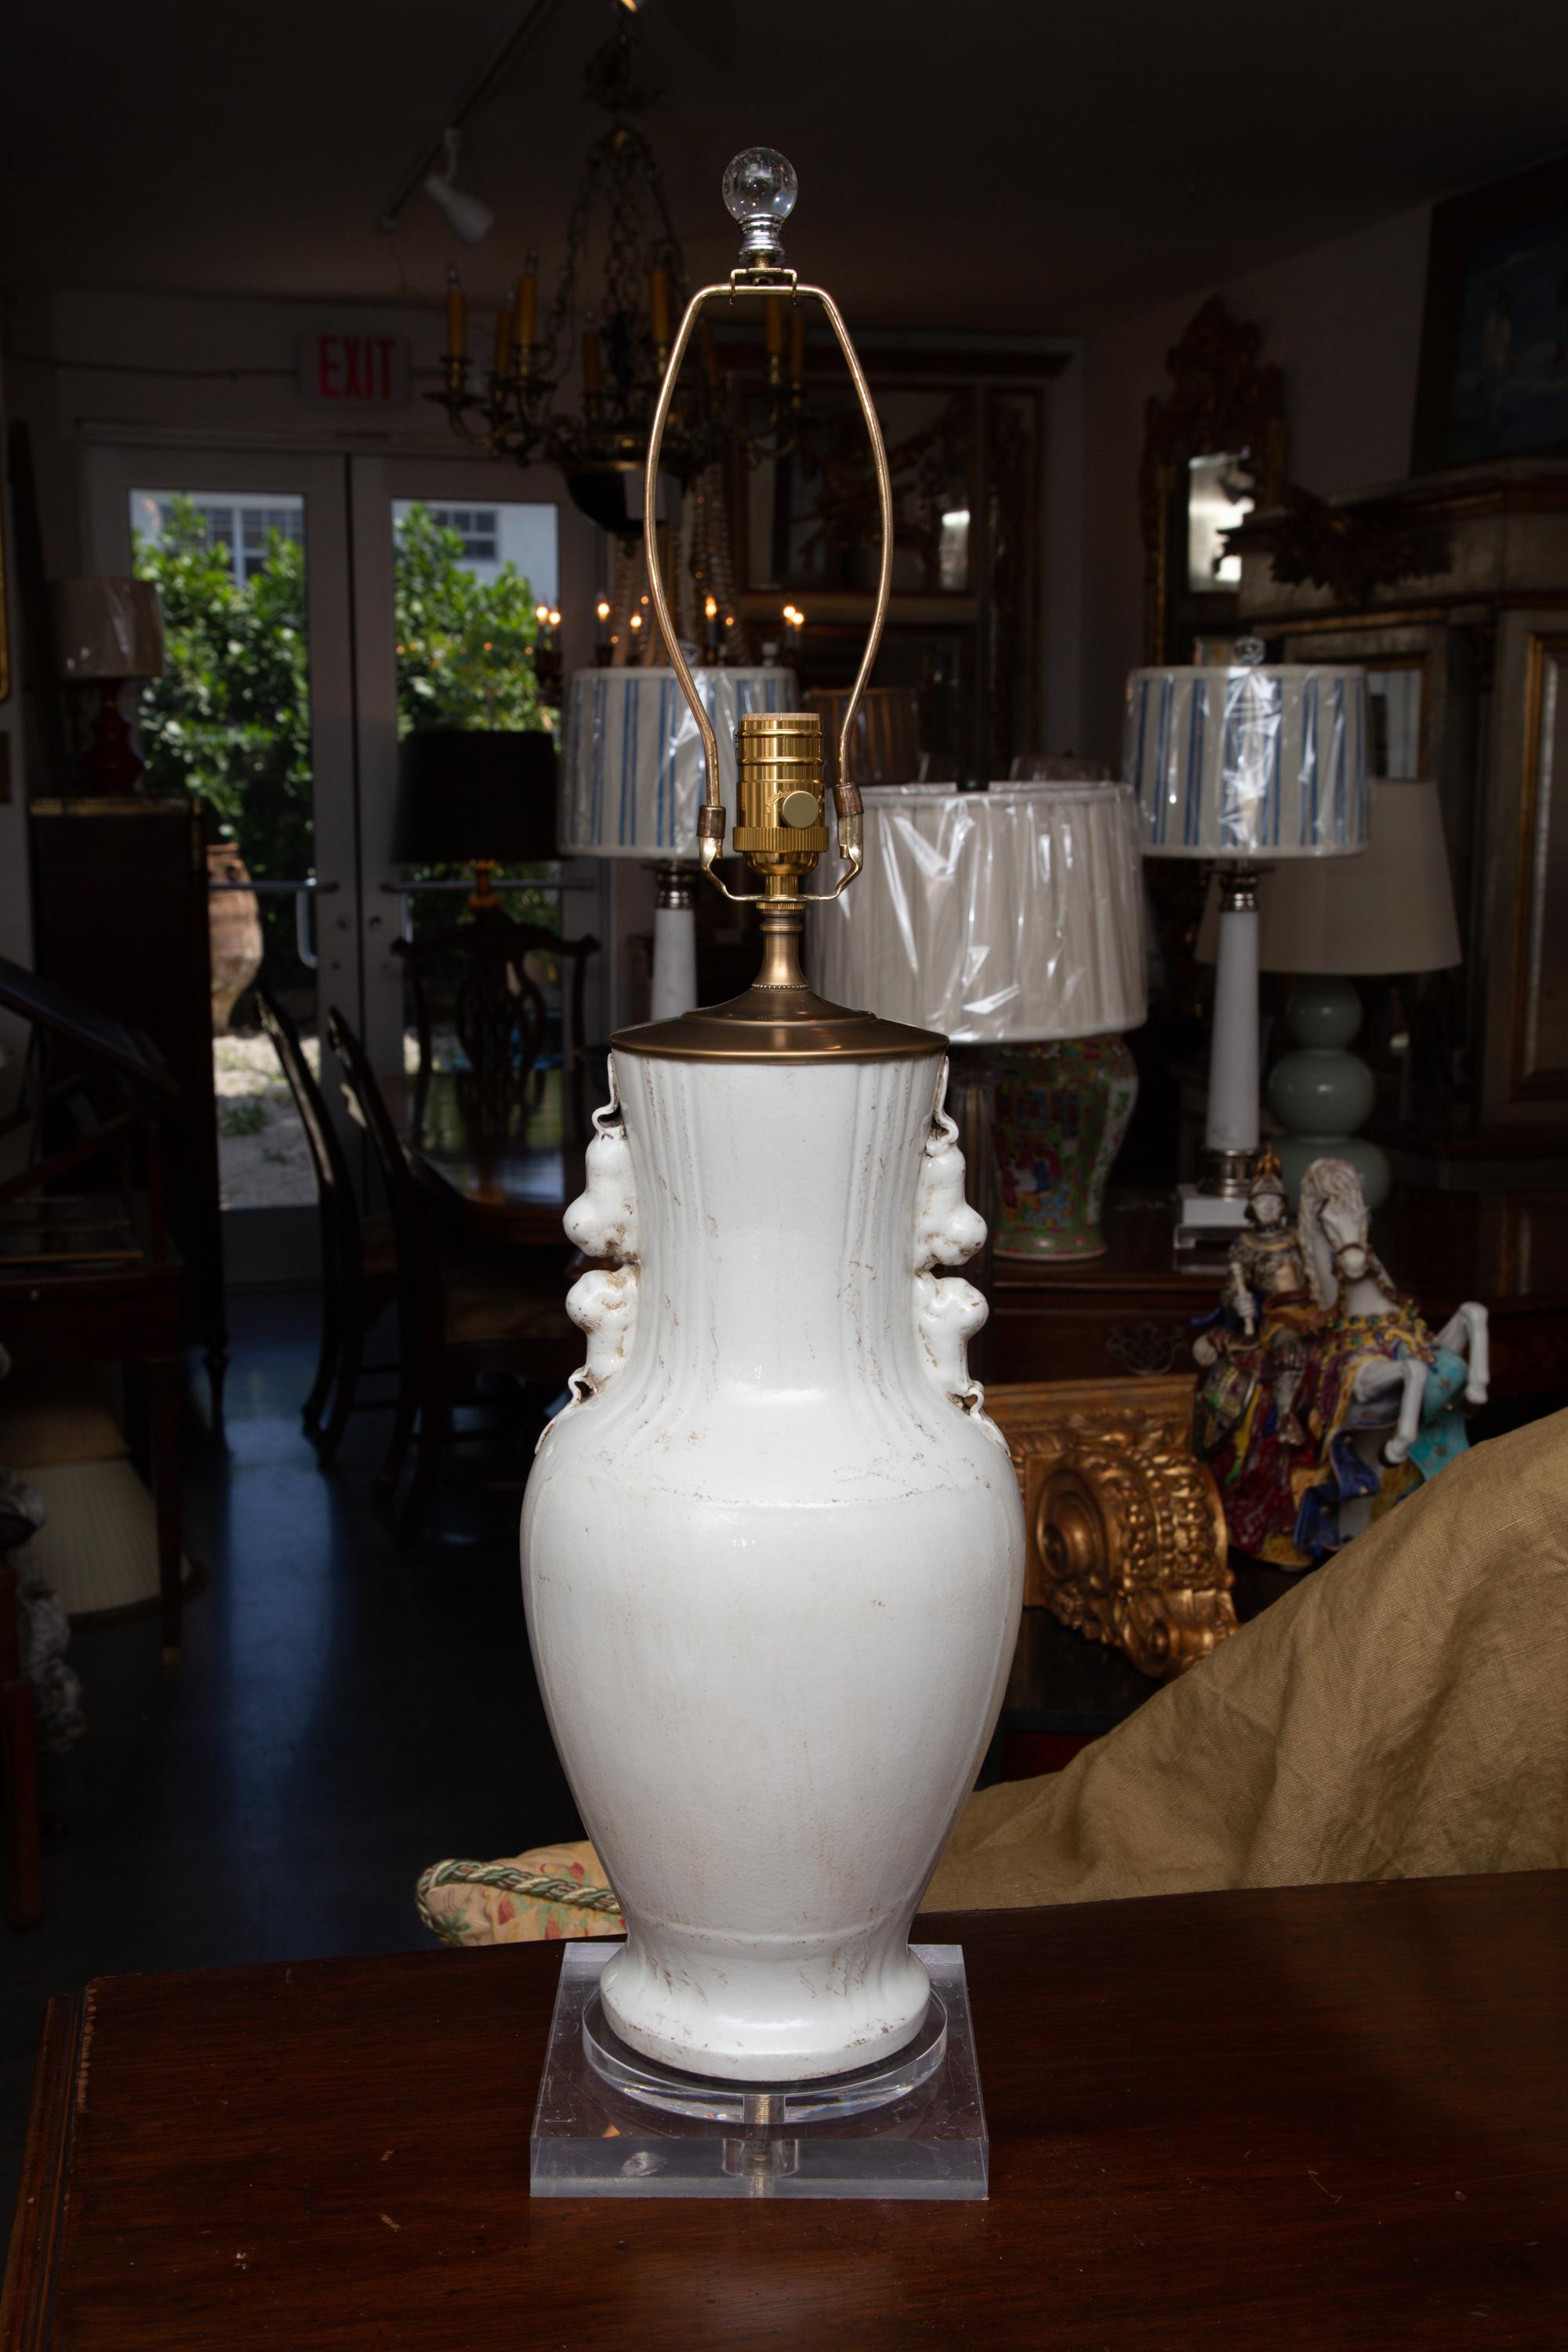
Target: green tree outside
(465,651)
(229,721)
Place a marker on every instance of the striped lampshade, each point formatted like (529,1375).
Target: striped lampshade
(1262,762)
(1011,916)
(631,771)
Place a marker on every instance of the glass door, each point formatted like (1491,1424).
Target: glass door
(253,715)
(474,590)
(317,608)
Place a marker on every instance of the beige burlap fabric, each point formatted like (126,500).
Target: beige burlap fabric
(1403,1715)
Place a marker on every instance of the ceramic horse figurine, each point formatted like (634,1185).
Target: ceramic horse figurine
(1399,1382)
(1324,1397)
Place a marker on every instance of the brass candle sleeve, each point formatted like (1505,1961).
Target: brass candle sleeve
(772,742)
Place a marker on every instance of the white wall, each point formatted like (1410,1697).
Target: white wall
(1344,322)
(83,366)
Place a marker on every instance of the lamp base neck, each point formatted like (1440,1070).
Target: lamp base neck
(1226,1173)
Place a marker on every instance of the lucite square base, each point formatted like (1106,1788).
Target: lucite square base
(925,2137)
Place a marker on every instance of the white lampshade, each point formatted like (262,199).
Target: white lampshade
(1391,910)
(108,628)
(631,770)
(1009,916)
(1253,763)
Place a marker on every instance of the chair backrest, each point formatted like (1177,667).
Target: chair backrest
(887,742)
(367,1108)
(500,1012)
(327,1155)
(341,1231)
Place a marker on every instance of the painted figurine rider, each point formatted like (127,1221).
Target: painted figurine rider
(1324,1397)
(1265,1308)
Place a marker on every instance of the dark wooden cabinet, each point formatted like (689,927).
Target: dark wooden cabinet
(1134,1310)
(120,919)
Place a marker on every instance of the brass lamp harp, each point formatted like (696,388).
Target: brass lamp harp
(781,829)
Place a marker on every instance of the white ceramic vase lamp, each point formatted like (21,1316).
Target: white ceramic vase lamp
(631,784)
(773,1550)
(1243,768)
(1013,920)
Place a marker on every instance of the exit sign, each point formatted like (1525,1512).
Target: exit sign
(345,368)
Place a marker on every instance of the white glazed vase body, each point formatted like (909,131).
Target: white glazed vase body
(772,1553)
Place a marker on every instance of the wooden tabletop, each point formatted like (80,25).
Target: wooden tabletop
(512,1184)
(1438,1246)
(1292,2117)
(1509,1250)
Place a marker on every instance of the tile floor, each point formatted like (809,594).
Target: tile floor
(344,1713)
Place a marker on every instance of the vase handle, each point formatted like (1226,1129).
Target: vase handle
(948,1232)
(602,1221)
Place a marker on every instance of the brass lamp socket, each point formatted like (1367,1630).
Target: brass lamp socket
(780,828)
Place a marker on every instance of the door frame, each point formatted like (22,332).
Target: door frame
(112,471)
(351,623)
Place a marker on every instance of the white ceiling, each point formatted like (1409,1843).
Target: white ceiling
(1019,164)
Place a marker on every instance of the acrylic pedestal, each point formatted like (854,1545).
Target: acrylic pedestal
(610,2123)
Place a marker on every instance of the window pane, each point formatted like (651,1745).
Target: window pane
(521,532)
(468,577)
(229,722)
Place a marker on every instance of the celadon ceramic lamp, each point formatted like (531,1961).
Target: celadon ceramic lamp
(1388,913)
(772,1550)
(1245,767)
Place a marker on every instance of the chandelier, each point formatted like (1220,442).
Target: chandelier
(621,338)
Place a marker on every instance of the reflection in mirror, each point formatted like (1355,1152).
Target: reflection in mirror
(1219,495)
(1394,722)
(1214,440)
(952,551)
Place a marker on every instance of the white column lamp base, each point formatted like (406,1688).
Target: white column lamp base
(674,944)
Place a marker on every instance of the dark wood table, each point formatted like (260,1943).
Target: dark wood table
(122,1308)
(1288,2117)
(512,1185)
(1132,1310)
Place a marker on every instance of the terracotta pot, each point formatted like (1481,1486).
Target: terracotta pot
(233,926)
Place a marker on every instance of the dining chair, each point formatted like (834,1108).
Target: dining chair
(465,1306)
(359,1266)
(499,1014)
(23,1870)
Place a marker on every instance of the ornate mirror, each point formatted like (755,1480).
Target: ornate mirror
(1213,449)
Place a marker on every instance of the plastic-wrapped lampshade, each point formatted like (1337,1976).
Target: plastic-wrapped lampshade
(1000,917)
(631,771)
(108,628)
(1255,763)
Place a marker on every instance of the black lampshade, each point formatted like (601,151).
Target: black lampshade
(467,794)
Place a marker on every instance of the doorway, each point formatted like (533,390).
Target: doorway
(318,606)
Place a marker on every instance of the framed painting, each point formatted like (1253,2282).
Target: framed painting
(1494,341)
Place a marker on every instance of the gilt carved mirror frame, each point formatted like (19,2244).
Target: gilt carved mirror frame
(1221,403)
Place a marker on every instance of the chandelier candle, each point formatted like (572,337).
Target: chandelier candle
(772,1550)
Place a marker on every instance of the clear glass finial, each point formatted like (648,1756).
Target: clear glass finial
(759,189)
